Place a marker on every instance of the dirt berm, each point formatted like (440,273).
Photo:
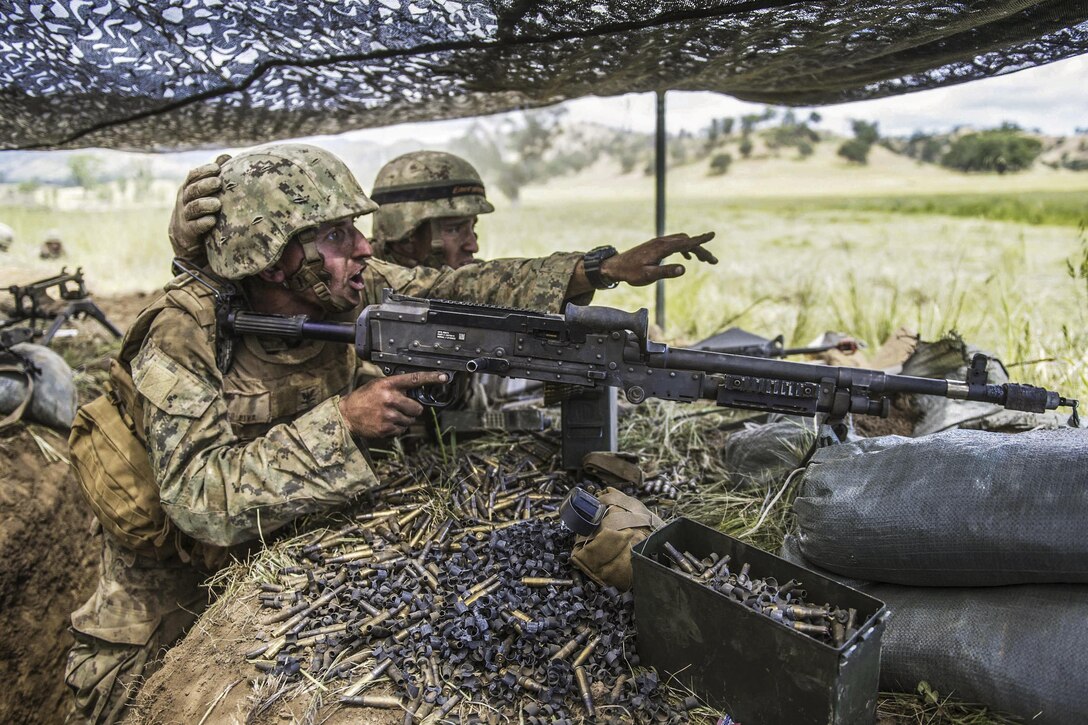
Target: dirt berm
(48,557)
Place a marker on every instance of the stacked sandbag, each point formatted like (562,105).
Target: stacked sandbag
(767,452)
(38,372)
(959,508)
(974,540)
(1016,649)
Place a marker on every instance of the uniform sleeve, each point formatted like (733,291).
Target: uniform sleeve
(216,487)
(533,284)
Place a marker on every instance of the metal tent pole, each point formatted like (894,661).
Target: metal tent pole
(659,205)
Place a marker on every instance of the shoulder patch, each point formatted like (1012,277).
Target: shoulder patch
(169,386)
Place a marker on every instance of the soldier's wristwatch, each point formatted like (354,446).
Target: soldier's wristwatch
(591,263)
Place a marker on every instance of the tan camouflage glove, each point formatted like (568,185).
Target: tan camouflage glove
(195,212)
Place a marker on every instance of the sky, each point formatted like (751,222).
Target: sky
(1052,98)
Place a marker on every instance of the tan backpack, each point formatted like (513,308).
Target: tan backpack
(110,459)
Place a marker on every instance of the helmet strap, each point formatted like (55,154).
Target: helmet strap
(312,275)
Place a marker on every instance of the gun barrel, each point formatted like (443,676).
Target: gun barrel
(1010,395)
(299,327)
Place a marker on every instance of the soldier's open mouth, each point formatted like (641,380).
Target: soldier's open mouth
(355,281)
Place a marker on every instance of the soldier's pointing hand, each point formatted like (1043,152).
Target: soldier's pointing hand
(641,265)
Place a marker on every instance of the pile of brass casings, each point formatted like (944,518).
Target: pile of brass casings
(452,594)
(784,603)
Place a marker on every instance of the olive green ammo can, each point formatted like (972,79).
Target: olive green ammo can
(740,661)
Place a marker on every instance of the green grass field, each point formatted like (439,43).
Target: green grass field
(995,266)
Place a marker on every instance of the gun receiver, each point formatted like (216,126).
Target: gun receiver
(601,346)
(33,304)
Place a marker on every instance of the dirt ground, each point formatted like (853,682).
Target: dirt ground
(204,677)
(48,559)
(47,566)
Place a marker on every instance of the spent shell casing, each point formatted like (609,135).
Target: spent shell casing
(567,649)
(788,587)
(681,562)
(800,611)
(838,632)
(584,689)
(450,703)
(536,581)
(586,652)
(818,630)
(482,593)
(367,679)
(387,702)
(697,565)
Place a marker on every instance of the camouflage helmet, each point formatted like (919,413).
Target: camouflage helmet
(424,185)
(272,194)
(7,236)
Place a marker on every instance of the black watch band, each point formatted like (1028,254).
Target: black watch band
(591,263)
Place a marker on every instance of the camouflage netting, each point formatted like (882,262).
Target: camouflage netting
(193,73)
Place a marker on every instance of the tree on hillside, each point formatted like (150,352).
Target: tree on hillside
(720,164)
(856,150)
(865,131)
(924,147)
(513,154)
(749,121)
(84,170)
(791,132)
(745,147)
(1000,149)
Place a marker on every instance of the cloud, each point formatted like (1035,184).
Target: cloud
(1050,98)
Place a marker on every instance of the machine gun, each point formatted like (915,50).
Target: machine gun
(605,347)
(34,305)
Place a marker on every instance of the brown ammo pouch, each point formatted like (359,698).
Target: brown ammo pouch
(113,468)
(605,556)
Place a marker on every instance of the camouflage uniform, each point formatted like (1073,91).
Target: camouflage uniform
(237,455)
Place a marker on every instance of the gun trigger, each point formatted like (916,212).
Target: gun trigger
(427,399)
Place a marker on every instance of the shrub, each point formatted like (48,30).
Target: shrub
(855,151)
(720,164)
(999,150)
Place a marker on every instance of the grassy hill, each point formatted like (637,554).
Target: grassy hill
(806,245)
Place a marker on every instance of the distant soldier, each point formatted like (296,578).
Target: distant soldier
(7,236)
(52,247)
(428,202)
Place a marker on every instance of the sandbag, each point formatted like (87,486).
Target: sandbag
(767,453)
(1015,649)
(959,508)
(53,398)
